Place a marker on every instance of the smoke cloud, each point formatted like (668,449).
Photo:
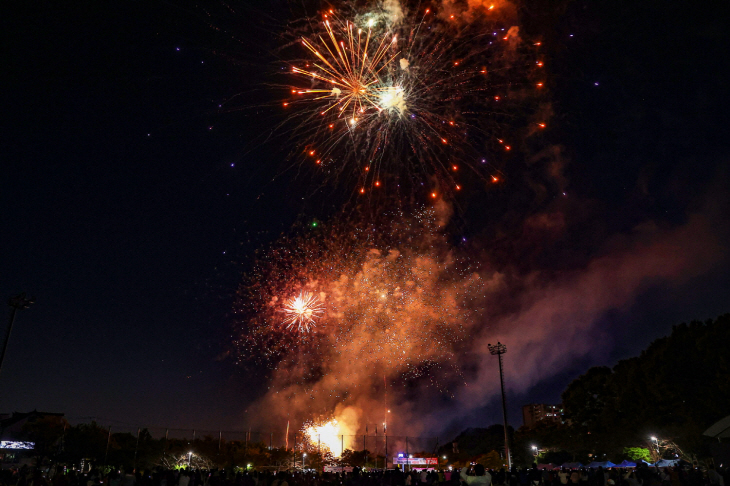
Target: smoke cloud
(409,322)
(393,10)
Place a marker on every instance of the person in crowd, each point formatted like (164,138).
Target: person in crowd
(574,477)
(563,476)
(129,479)
(715,478)
(632,480)
(480,478)
(534,476)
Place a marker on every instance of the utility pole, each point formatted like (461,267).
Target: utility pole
(108,440)
(499,349)
(16,303)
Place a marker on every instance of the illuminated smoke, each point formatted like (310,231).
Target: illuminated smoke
(406,305)
(393,10)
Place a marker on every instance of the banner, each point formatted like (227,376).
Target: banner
(415,461)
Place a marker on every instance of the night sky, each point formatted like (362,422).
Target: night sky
(131,201)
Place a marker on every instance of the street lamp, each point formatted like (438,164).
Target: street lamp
(499,349)
(16,303)
(190,455)
(304,458)
(656,444)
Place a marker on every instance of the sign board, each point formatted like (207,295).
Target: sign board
(13,444)
(415,461)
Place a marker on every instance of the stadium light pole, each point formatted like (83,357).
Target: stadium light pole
(16,303)
(499,349)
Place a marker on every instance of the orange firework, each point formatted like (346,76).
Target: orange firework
(383,97)
(352,68)
(303,311)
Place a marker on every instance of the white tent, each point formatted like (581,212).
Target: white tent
(720,429)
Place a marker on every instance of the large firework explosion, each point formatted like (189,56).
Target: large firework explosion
(393,95)
(390,296)
(390,95)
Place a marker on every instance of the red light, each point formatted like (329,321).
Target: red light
(377,183)
(433,195)
(362,190)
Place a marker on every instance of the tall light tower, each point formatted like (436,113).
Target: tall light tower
(16,303)
(499,349)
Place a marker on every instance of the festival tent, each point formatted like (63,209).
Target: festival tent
(667,463)
(572,465)
(720,429)
(549,466)
(605,464)
(626,464)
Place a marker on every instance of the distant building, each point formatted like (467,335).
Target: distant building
(15,450)
(535,412)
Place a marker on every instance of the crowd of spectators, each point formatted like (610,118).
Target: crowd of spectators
(475,475)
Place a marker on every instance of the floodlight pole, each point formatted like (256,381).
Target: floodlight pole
(499,349)
(16,303)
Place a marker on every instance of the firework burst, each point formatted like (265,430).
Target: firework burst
(394,102)
(301,312)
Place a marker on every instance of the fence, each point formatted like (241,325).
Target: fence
(276,438)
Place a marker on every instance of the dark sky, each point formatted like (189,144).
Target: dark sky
(126,191)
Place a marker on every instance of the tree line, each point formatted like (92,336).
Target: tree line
(660,401)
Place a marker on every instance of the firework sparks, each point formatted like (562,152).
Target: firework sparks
(352,68)
(302,312)
(411,94)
